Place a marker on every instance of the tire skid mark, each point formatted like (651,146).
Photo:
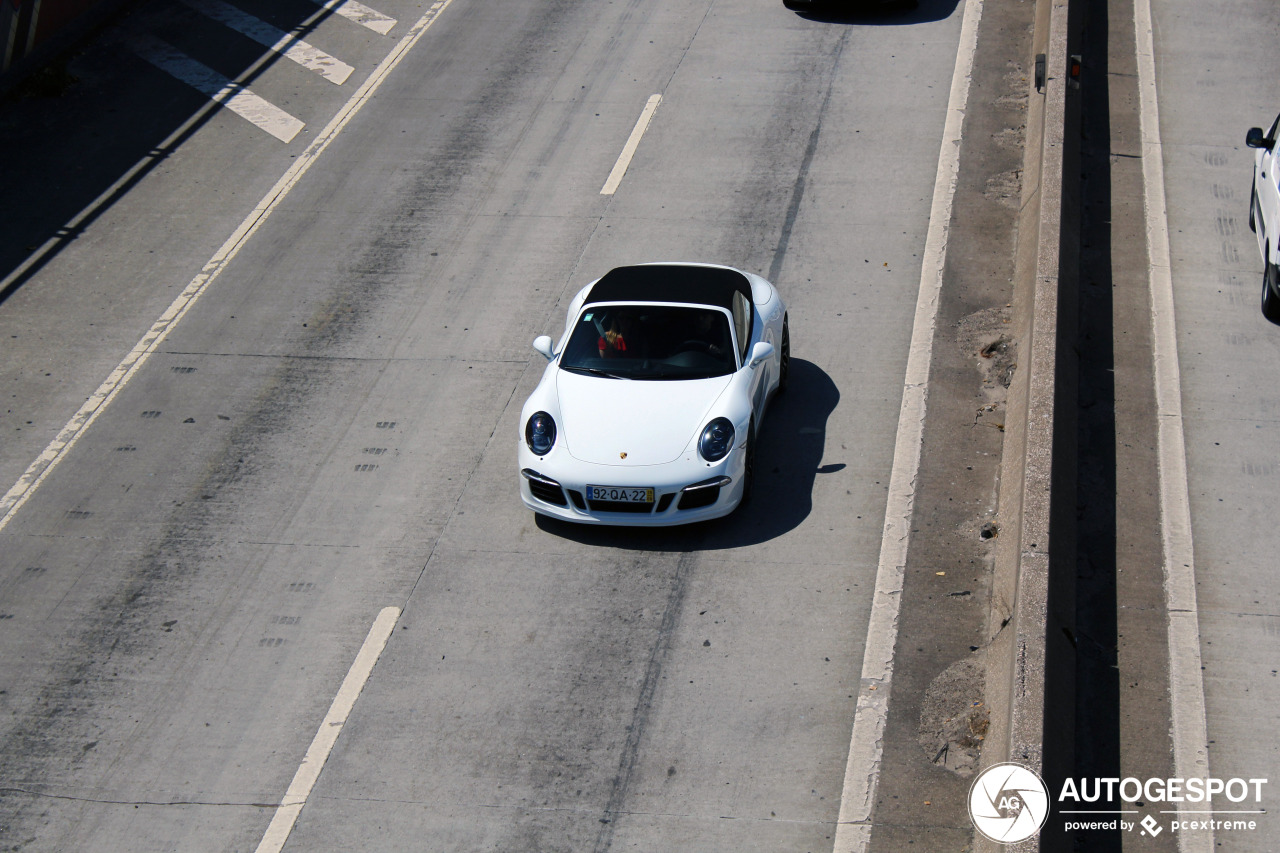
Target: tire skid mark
(644,702)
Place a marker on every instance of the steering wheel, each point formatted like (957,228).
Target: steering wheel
(695,344)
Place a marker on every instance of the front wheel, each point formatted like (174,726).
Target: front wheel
(1270,298)
(749,465)
(784,357)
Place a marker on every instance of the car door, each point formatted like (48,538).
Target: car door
(748,331)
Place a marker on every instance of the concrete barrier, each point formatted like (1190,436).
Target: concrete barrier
(1031,656)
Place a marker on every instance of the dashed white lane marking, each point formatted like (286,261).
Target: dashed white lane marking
(285,44)
(361,14)
(240,100)
(53,454)
(327,735)
(866,745)
(1186,683)
(629,150)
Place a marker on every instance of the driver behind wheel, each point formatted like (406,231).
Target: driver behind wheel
(613,342)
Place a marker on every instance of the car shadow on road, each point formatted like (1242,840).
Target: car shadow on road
(788,462)
(872,14)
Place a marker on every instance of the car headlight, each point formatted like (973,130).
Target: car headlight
(540,433)
(716,440)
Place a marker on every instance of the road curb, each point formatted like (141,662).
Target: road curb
(1032,603)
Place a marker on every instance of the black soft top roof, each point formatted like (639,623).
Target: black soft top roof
(671,283)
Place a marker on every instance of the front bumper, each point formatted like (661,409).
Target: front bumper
(685,491)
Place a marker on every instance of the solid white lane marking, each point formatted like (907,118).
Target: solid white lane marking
(327,735)
(240,100)
(866,744)
(629,150)
(285,44)
(361,14)
(1186,683)
(97,403)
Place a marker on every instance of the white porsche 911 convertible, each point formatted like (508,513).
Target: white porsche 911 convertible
(648,411)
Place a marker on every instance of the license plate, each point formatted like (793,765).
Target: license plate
(620,494)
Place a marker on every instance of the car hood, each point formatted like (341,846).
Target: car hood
(632,421)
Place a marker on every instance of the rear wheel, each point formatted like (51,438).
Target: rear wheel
(1271,299)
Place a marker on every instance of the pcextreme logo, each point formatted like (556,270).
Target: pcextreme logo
(1008,803)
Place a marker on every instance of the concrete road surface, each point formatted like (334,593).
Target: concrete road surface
(344,279)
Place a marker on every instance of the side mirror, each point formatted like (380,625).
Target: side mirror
(760,352)
(1255,139)
(544,345)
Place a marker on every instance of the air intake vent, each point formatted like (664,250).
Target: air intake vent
(545,489)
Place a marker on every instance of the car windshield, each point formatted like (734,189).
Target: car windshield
(650,342)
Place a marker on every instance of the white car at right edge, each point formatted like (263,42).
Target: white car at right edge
(1264,213)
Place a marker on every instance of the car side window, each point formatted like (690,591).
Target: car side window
(742,324)
(1275,126)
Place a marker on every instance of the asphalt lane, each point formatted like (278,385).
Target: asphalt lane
(1208,99)
(329,432)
